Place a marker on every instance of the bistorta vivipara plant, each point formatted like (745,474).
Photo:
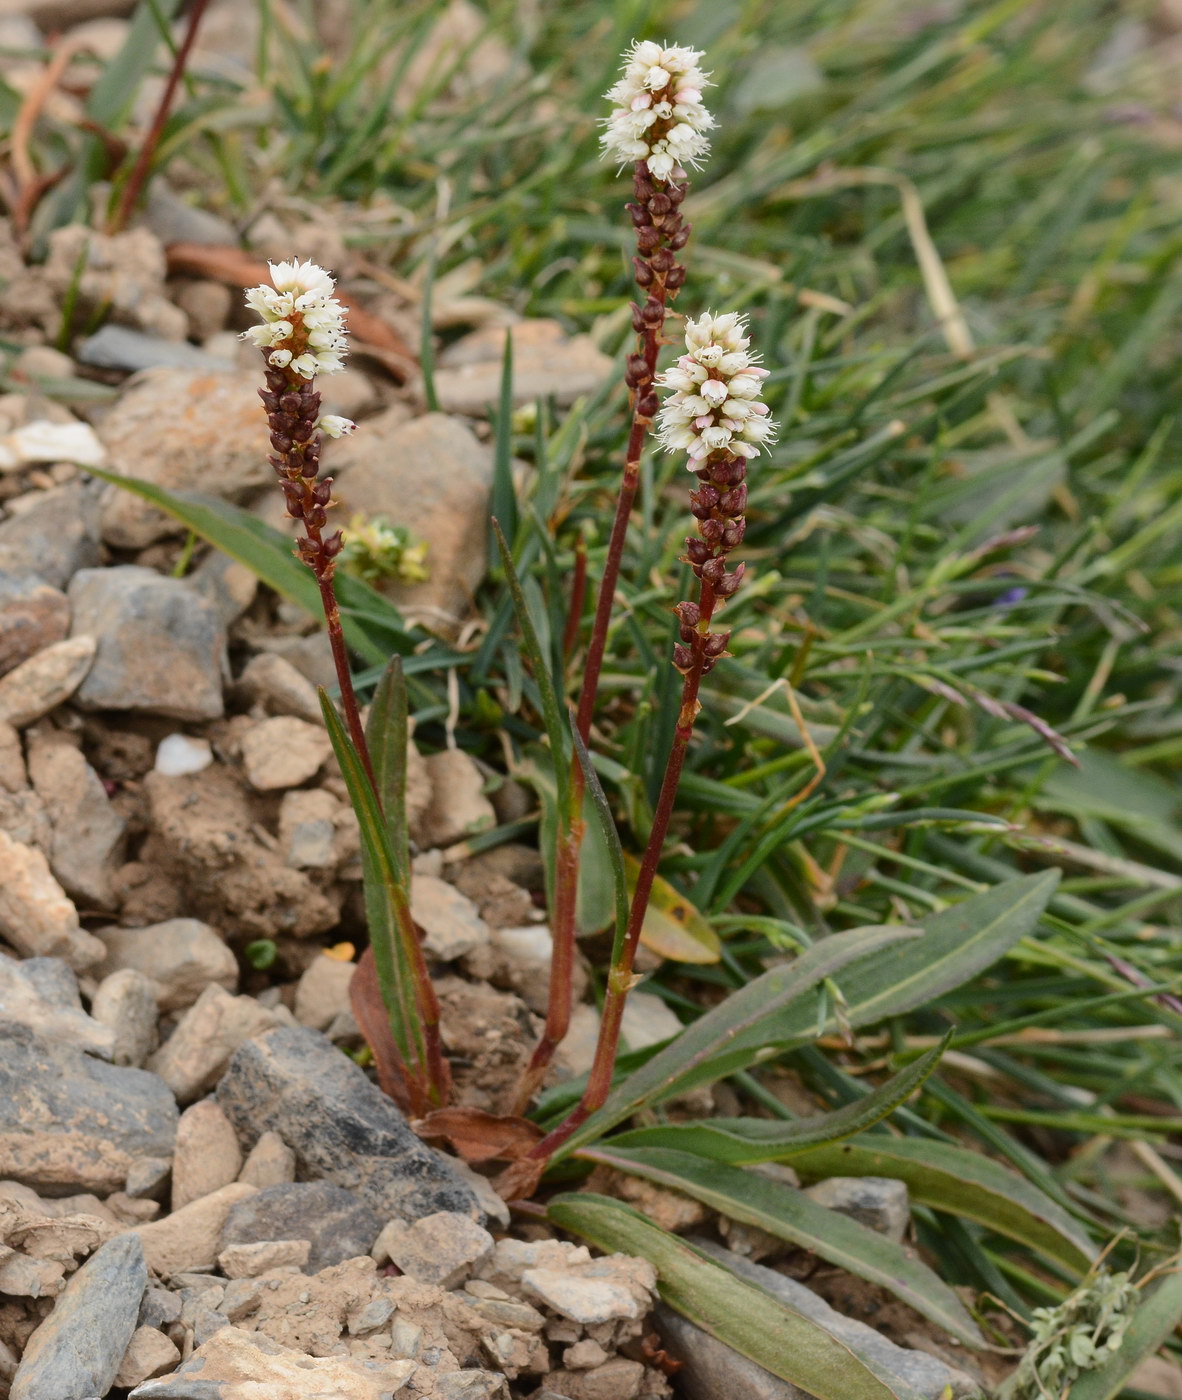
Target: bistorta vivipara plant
(658,124)
(302,334)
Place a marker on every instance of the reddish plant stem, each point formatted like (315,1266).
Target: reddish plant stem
(660,233)
(578,592)
(619,982)
(139,173)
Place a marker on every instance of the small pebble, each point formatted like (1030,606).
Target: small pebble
(179,754)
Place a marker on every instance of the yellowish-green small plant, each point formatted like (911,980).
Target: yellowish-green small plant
(375,550)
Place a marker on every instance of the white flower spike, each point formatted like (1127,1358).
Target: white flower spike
(715,401)
(303,324)
(658,116)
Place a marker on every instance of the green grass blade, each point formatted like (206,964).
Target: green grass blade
(961,1181)
(504,497)
(743,1141)
(742,1315)
(556,730)
(611,840)
(790,1215)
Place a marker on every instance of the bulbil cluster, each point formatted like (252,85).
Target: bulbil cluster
(302,333)
(661,233)
(714,413)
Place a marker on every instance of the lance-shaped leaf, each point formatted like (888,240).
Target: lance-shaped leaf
(737,1312)
(744,1141)
(387,907)
(791,1215)
(955,1179)
(387,733)
(706,1050)
(611,840)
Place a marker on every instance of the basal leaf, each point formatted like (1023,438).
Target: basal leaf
(737,1312)
(705,1050)
(961,1181)
(387,733)
(791,1215)
(743,1141)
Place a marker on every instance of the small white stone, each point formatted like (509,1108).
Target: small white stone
(179,754)
(42,441)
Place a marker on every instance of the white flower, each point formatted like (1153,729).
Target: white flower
(714,389)
(658,115)
(335,426)
(303,324)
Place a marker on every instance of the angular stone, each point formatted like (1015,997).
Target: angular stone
(148,1354)
(443,1248)
(42,994)
(181,957)
(335,1224)
(342,1127)
(54,537)
(13,775)
(119,347)
(36,917)
(283,752)
(72,1123)
(46,680)
(546,363)
(322,992)
(77,1350)
(194,1057)
(23,1277)
(616,1379)
(603,1290)
(308,829)
(33,615)
(880,1202)
(459,806)
(379,472)
(87,831)
(188,1239)
(207,1154)
(147,1178)
(182,429)
(711,1363)
(125,1003)
(234,1364)
(275,684)
(46,441)
(451,923)
(270,1162)
(161,644)
(178,754)
(251,1260)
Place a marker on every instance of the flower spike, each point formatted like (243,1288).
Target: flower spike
(658,115)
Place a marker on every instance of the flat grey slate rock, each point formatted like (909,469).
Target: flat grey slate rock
(335,1222)
(76,1351)
(341,1127)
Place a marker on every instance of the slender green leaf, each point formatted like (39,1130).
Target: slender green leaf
(1158,1313)
(551,710)
(611,839)
(961,1181)
(705,1050)
(595,903)
(742,1315)
(790,1215)
(387,733)
(742,1141)
(386,902)
(504,497)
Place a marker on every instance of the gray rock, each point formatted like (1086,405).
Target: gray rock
(545,364)
(126,1003)
(879,1202)
(161,644)
(183,430)
(119,347)
(87,831)
(335,1222)
(174,220)
(72,1123)
(229,585)
(341,1126)
(713,1369)
(42,994)
(443,1248)
(76,1351)
(33,614)
(181,957)
(379,472)
(55,537)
